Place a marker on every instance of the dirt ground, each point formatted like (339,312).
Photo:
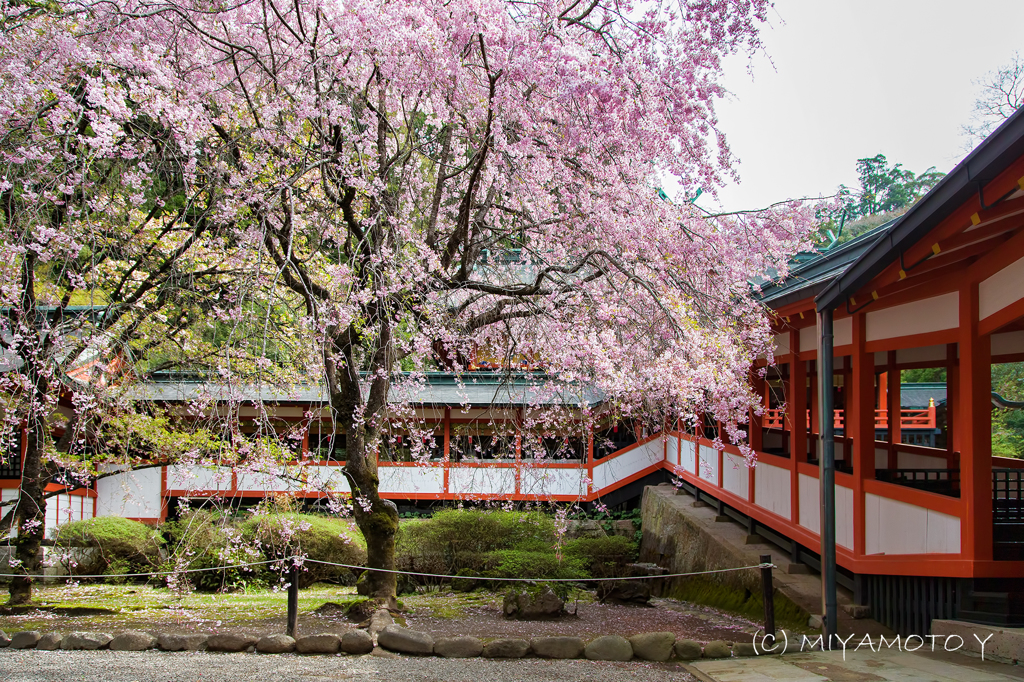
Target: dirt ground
(119,608)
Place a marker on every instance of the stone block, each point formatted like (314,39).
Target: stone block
(380,619)
(50,641)
(609,648)
(653,646)
(687,650)
(1002,644)
(532,604)
(4,639)
(586,528)
(85,641)
(744,649)
(858,611)
(133,641)
(406,641)
(195,642)
(458,647)
(230,642)
(322,643)
(557,647)
(722,518)
(753,539)
(506,648)
(25,640)
(624,528)
(794,568)
(357,642)
(275,644)
(717,649)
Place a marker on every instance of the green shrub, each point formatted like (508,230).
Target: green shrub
(202,539)
(486,543)
(603,557)
(317,537)
(453,540)
(513,563)
(119,546)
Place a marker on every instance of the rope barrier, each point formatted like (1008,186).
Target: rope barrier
(544,580)
(147,575)
(387,570)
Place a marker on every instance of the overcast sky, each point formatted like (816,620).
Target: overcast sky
(853,79)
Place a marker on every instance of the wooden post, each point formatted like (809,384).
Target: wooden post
(860,425)
(974,430)
(293,601)
(768,592)
(895,397)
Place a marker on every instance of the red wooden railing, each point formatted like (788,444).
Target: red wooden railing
(909,418)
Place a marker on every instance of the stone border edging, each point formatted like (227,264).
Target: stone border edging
(383,637)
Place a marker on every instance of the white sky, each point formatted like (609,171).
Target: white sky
(856,78)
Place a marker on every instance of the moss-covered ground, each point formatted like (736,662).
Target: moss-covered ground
(742,602)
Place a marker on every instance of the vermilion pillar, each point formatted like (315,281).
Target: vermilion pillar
(974,429)
(797,418)
(895,402)
(860,424)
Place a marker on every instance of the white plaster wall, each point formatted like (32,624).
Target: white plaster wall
(928,315)
(842,332)
(265,481)
(332,478)
(736,475)
(844,517)
(545,481)
(1010,342)
(612,470)
(482,480)
(707,467)
(881,458)
(936,354)
(62,509)
(1001,289)
(424,479)
(912,460)
(196,478)
(810,503)
(688,456)
(671,450)
(771,489)
(895,527)
(809,338)
(134,494)
(781,344)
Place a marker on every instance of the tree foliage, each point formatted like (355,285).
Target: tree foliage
(1001,93)
(885,192)
(357,193)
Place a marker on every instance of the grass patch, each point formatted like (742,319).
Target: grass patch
(143,606)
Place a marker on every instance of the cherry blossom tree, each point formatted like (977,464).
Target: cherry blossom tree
(384,188)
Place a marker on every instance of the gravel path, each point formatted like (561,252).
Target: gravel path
(687,621)
(110,666)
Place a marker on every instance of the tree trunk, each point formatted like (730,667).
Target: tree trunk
(377,518)
(29,519)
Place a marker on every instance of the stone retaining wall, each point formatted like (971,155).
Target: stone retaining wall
(673,540)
